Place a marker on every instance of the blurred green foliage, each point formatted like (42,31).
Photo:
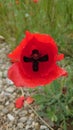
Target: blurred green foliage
(54,17)
(56,104)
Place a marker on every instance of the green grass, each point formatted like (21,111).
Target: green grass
(54,17)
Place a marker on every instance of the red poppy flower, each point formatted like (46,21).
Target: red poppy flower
(35,61)
(35,1)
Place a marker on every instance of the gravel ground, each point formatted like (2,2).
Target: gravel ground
(12,118)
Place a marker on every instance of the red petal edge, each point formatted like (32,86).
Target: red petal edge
(60,57)
(29,100)
(14,74)
(19,102)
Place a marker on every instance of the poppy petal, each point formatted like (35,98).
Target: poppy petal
(19,102)
(48,49)
(17,76)
(47,39)
(16,53)
(60,57)
(29,100)
(44,38)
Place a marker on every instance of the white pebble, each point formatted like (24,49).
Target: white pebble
(32,115)
(9,81)
(36,126)
(10,89)
(10,117)
(27,127)
(43,127)
(7,103)
(2,93)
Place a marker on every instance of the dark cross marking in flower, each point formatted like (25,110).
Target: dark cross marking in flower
(35,59)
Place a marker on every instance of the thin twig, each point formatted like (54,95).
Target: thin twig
(36,112)
(39,117)
(22,92)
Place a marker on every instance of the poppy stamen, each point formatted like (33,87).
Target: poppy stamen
(43,58)
(35,59)
(27,59)
(35,65)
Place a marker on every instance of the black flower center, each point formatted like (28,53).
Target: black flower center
(35,58)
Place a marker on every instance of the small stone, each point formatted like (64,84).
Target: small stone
(7,94)
(10,117)
(33,123)
(0,74)
(11,107)
(7,103)
(29,122)
(31,119)
(0,82)
(43,127)
(2,93)
(1,107)
(15,128)
(23,119)
(27,127)
(5,110)
(51,123)
(59,128)
(10,89)
(0,86)
(2,98)
(10,124)
(9,81)
(20,125)
(24,112)
(4,74)
(2,39)
(32,115)
(36,125)
(10,128)
(30,111)
(3,67)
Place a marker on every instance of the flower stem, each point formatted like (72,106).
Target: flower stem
(39,116)
(22,92)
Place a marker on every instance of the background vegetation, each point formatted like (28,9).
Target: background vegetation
(54,17)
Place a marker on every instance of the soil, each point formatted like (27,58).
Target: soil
(70,124)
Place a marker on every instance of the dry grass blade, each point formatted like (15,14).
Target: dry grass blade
(39,116)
